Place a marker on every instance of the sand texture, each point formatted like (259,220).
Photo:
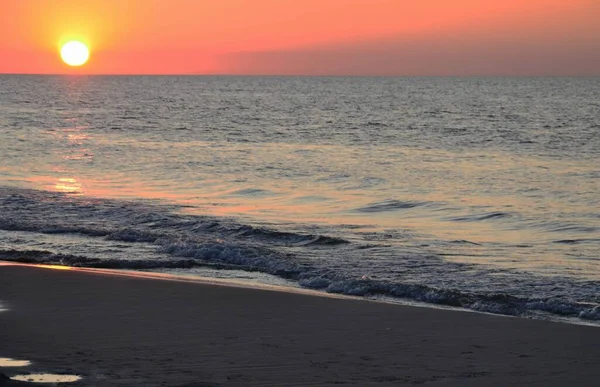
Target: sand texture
(121,331)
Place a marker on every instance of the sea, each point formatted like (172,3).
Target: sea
(475,193)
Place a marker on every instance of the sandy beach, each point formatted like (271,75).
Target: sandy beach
(228,193)
(126,331)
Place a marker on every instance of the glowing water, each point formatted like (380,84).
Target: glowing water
(481,193)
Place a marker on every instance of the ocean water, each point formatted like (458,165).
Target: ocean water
(479,193)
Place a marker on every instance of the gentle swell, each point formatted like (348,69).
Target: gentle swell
(315,261)
(478,218)
(232,257)
(132,222)
(388,205)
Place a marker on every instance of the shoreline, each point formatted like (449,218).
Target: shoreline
(117,330)
(426,278)
(230,282)
(192,279)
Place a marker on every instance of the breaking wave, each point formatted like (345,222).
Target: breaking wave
(314,260)
(231,257)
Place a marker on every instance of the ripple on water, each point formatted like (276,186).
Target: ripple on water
(388,205)
(481,217)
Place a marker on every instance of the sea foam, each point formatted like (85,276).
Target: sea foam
(149,236)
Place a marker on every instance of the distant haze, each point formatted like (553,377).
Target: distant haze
(310,37)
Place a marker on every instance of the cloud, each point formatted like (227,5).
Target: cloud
(548,45)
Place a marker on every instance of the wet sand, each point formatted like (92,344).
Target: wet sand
(125,331)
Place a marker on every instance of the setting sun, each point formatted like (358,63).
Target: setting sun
(74,53)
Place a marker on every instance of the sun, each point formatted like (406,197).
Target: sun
(74,53)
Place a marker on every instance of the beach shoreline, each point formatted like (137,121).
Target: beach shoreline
(252,284)
(126,330)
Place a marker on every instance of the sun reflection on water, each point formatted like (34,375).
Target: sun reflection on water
(54,267)
(68,185)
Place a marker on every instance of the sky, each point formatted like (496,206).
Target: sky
(305,37)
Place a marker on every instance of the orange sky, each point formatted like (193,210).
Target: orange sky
(357,37)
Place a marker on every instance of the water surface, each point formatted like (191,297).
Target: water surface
(474,192)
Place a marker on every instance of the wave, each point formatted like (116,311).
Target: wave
(465,242)
(314,260)
(252,192)
(388,205)
(496,303)
(51,213)
(234,257)
(576,241)
(481,217)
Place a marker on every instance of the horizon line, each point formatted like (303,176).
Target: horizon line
(314,75)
